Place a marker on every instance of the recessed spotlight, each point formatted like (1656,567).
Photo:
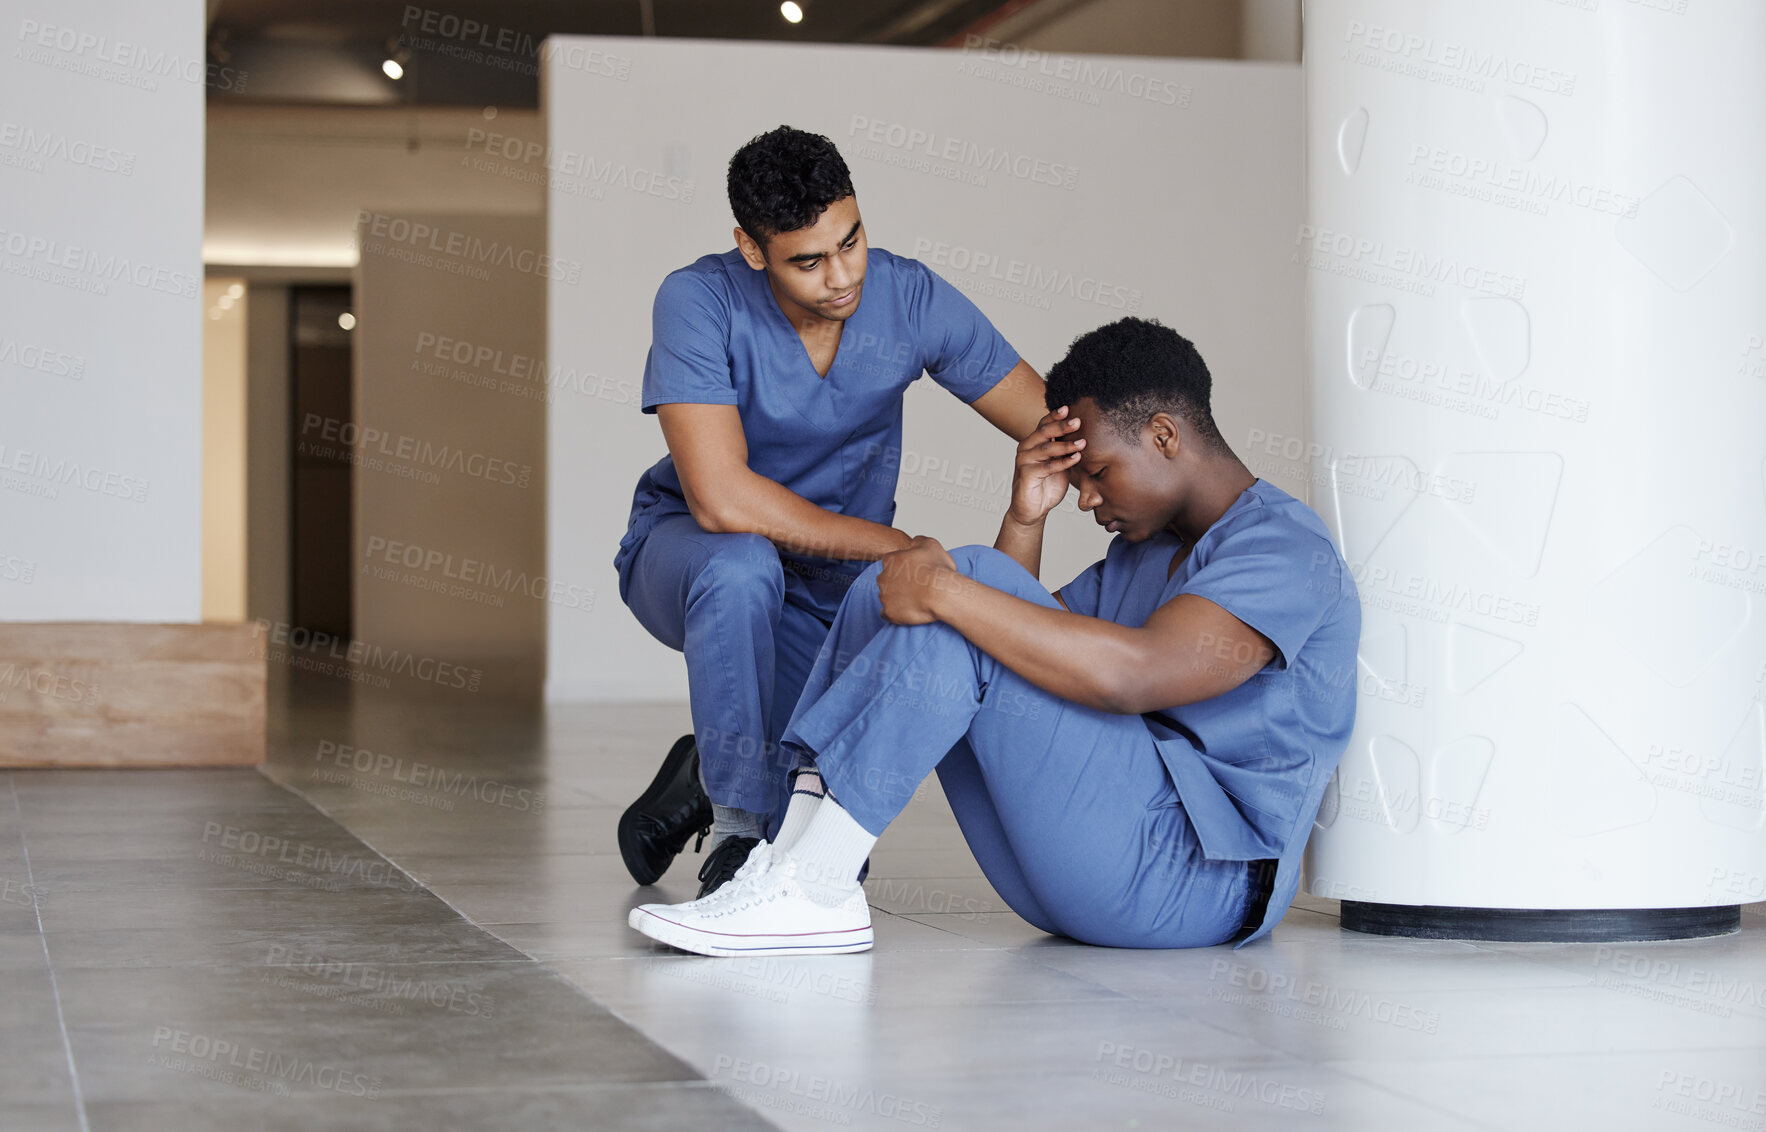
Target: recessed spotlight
(392,69)
(236,290)
(792,11)
(347,320)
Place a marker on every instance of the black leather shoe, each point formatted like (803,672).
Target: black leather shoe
(654,829)
(731,853)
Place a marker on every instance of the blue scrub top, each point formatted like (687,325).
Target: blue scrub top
(1251,765)
(719,338)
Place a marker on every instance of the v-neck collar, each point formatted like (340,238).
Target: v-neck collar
(817,399)
(808,366)
(1171,566)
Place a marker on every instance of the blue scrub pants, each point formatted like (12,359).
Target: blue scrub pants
(722,600)
(1069,810)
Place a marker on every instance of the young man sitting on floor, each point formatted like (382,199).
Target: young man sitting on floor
(1135,761)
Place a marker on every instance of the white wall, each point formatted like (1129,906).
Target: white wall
(1271,30)
(101,154)
(1183,206)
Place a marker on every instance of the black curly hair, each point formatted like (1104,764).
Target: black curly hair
(1133,368)
(782,180)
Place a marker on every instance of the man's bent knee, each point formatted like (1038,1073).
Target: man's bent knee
(1000,570)
(742,562)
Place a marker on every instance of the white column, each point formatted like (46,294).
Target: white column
(1536,237)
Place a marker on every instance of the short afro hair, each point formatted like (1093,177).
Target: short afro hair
(1133,368)
(782,181)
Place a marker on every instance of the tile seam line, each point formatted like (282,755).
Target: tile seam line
(67,1046)
(541,1087)
(584,994)
(1388,1090)
(1608,1051)
(375,849)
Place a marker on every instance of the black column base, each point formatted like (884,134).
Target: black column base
(1540,925)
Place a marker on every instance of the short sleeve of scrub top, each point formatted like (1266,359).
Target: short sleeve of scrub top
(963,351)
(689,353)
(1276,577)
(1081,594)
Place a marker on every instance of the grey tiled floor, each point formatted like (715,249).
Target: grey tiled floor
(203,949)
(492,981)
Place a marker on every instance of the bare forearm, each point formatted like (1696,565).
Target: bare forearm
(1023,543)
(1075,657)
(1015,404)
(766,507)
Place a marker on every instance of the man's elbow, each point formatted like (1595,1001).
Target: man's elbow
(713,515)
(1127,701)
(1113,703)
(1142,683)
(1118,693)
(1105,678)
(1139,701)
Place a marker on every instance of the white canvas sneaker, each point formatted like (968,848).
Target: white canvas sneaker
(759,859)
(768,912)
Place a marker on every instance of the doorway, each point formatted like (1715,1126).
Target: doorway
(322,437)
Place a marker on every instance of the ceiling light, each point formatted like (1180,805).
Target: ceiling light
(792,11)
(236,290)
(347,320)
(392,69)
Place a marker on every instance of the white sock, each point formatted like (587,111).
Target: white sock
(830,850)
(806,796)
